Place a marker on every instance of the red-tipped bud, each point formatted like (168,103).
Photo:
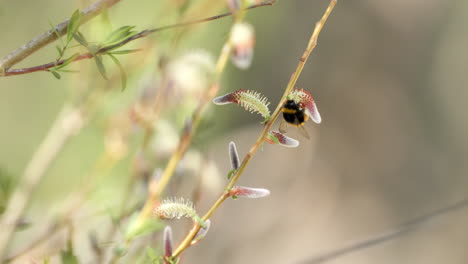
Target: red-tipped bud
(243,42)
(201,232)
(247,192)
(167,241)
(305,100)
(250,100)
(276,137)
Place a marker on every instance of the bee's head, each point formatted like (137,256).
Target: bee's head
(291,104)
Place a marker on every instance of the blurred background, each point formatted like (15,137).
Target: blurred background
(389,79)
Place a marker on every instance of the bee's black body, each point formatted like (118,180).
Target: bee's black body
(293,114)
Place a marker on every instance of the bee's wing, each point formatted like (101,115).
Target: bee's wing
(283,128)
(304,132)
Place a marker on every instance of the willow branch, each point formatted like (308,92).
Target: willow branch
(144,33)
(67,124)
(310,47)
(48,37)
(156,188)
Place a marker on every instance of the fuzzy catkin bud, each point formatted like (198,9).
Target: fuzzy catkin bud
(201,233)
(167,241)
(177,208)
(306,101)
(235,163)
(276,137)
(243,42)
(248,192)
(250,100)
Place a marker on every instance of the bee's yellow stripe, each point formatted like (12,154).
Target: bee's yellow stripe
(289,111)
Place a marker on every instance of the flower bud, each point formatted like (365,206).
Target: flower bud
(276,137)
(167,241)
(247,192)
(235,163)
(243,42)
(250,100)
(201,232)
(305,100)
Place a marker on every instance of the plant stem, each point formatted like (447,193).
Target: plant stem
(310,47)
(144,33)
(48,37)
(69,121)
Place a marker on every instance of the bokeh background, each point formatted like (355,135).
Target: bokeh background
(389,78)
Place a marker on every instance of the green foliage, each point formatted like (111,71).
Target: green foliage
(119,35)
(123,74)
(68,256)
(73,24)
(152,257)
(230,173)
(6,187)
(138,227)
(100,66)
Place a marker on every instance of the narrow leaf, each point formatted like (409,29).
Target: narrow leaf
(54,29)
(59,50)
(56,74)
(67,61)
(100,66)
(80,38)
(119,52)
(123,74)
(73,24)
(119,34)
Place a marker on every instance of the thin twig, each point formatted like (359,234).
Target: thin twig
(403,229)
(67,124)
(48,37)
(310,47)
(144,33)
(156,188)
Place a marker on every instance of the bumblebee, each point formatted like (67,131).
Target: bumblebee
(294,115)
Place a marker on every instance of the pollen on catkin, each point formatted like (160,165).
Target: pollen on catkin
(175,208)
(306,101)
(251,101)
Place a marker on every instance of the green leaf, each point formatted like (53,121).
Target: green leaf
(119,52)
(100,66)
(68,257)
(119,34)
(138,227)
(69,71)
(54,29)
(59,50)
(80,38)
(230,173)
(55,74)
(123,74)
(73,24)
(152,255)
(67,61)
